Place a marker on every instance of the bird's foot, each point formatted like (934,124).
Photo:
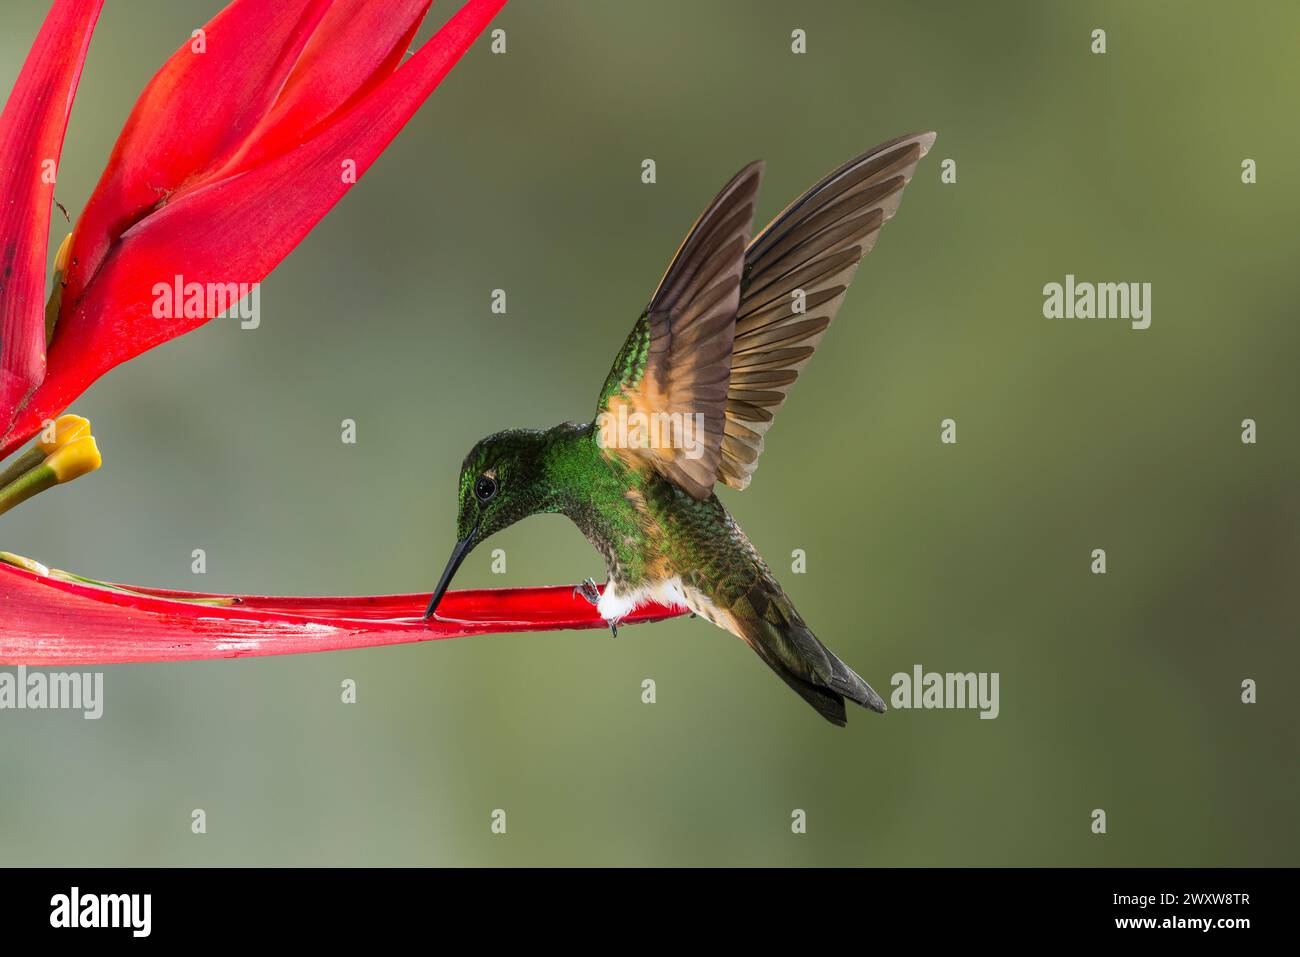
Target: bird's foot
(588,590)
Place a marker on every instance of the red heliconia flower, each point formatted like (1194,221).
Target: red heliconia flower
(244,139)
(239,145)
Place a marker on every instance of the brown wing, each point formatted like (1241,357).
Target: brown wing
(815,246)
(675,367)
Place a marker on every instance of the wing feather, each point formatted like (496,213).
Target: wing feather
(733,322)
(676,364)
(814,245)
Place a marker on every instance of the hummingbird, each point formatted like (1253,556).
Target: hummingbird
(687,405)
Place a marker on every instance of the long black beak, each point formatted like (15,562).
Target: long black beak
(457,556)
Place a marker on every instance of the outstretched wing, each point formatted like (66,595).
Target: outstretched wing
(813,247)
(664,403)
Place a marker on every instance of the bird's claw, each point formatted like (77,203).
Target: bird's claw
(588,590)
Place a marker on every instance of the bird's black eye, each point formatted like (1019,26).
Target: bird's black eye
(484,488)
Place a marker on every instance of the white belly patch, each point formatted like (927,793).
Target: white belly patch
(615,605)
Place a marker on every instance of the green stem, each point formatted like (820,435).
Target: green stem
(34,482)
(9,558)
(61,575)
(21,465)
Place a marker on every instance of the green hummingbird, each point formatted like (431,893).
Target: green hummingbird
(687,404)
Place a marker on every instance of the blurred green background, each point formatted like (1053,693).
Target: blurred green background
(1119,692)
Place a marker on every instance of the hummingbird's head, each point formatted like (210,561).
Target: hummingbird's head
(501,481)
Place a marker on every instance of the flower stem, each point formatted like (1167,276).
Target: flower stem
(60,575)
(23,464)
(36,568)
(33,482)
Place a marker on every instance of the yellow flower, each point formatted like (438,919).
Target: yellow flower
(74,459)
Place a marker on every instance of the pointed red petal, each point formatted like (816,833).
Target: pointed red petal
(47,622)
(356,46)
(195,114)
(31,141)
(236,230)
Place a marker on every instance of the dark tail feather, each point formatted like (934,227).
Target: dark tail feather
(828,704)
(763,616)
(810,668)
(848,683)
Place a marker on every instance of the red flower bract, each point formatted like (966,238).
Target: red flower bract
(32,126)
(245,138)
(112,627)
